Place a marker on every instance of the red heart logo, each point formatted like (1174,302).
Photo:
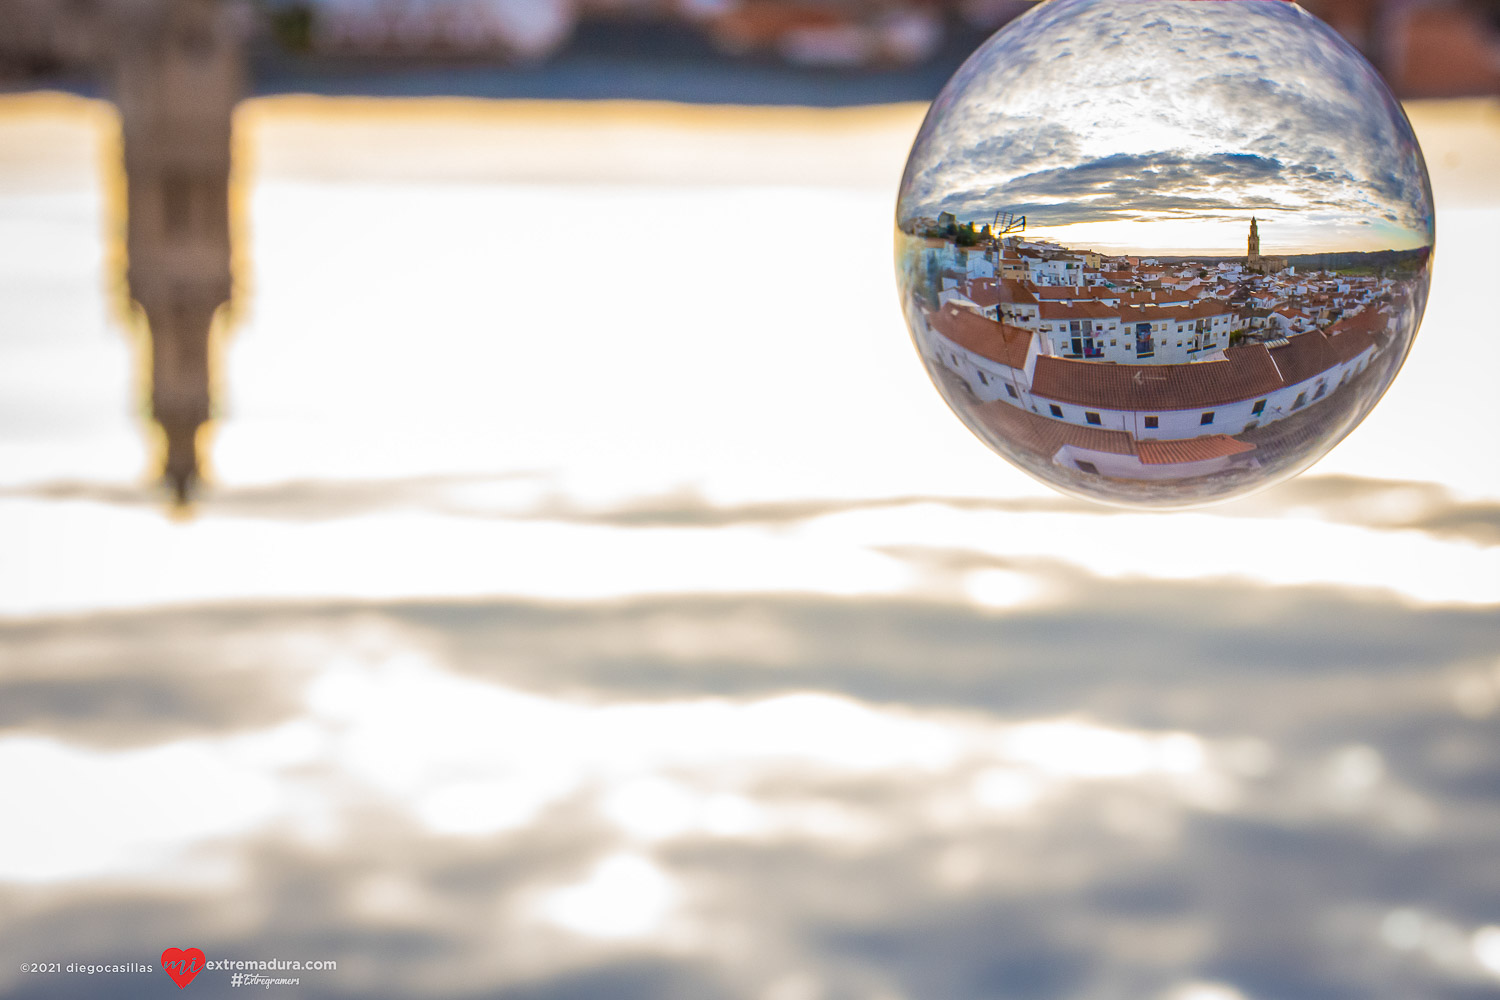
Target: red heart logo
(181,965)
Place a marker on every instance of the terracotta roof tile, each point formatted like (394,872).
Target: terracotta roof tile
(1149,313)
(997,341)
(1204,308)
(1044,435)
(1307,354)
(1245,373)
(1016,292)
(1370,321)
(985,292)
(1054,292)
(1071,293)
(1196,449)
(1082,309)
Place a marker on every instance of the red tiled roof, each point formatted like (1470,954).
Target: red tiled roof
(1079,310)
(1197,449)
(1072,292)
(997,341)
(1016,292)
(1245,373)
(1307,354)
(1368,322)
(1060,292)
(1151,298)
(985,292)
(1148,314)
(1204,308)
(1044,435)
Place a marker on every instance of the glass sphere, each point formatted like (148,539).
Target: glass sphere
(1165,252)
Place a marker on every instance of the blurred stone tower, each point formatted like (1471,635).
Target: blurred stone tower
(1252,246)
(177,69)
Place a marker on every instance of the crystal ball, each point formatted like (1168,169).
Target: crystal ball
(1166,252)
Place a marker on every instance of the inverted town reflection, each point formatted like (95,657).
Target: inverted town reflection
(1132,368)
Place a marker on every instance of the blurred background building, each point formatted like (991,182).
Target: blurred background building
(1424,47)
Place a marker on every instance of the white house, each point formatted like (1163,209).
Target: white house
(1253,384)
(995,360)
(1081,328)
(1095,451)
(1053,268)
(981,264)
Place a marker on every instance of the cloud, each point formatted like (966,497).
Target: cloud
(1033,660)
(1085,111)
(1142,187)
(1334,774)
(1389,504)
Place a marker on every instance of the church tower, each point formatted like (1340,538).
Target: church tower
(1253,247)
(178,68)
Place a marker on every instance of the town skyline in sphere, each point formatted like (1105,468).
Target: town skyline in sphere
(1164,126)
(1064,267)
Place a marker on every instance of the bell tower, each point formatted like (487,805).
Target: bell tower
(1252,247)
(178,68)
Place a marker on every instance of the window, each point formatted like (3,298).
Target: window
(1300,401)
(1258,408)
(1322,388)
(1089,467)
(1151,423)
(1207,418)
(1056,410)
(983,378)
(1011,390)
(1092,418)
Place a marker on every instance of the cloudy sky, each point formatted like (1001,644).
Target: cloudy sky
(1167,125)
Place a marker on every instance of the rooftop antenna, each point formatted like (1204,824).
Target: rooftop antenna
(1007,223)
